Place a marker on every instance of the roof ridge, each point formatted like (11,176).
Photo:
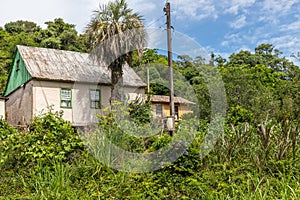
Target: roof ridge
(63,65)
(51,49)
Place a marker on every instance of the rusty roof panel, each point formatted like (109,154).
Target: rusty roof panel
(53,64)
(166,99)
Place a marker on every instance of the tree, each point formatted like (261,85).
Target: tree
(270,57)
(262,83)
(21,26)
(17,33)
(113,33)
(244,58)
(60,35)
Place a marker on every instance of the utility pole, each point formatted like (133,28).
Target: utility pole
(171,86)
(148,78)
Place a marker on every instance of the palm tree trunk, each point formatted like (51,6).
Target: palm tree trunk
(116,81)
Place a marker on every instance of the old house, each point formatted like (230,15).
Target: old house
(161,106)
(66,80)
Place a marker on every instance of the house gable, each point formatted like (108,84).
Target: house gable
(18,75)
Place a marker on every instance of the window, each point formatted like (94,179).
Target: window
(18,65)
(95,98)
(176,113)
(158,110)
(65,98)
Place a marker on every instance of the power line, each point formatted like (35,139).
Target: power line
(175,15)
(155,21)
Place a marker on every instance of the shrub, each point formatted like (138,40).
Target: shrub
(6,136)
(50,138)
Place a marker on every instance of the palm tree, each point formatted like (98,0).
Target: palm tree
(113,33)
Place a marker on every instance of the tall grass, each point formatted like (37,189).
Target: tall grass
(250,161)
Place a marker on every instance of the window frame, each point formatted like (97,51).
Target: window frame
(176,109)
(90,97)
(61,98)
(18,65)
(161,110)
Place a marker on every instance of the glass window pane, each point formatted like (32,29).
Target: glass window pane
(66,97)
(176,113)
(95,98)
(158,110)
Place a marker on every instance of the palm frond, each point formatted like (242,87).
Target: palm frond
(113,33)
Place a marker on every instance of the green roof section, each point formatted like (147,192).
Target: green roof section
(18,75)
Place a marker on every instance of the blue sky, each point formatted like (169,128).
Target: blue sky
(222,27)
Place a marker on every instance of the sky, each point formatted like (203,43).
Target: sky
(223,27)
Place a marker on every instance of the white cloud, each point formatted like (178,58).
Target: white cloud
(143,7)
(278,6)
(295,26)
(195,9)
(147,9)
(239,41)
(78,12)
(225,43)
(289,45)
(181,44)
(244,48)
(286,41)
(233,38)
(239,22)
(235,6)
(272,10)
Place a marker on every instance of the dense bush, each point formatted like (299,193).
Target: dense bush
(7,135)
(50,138)
(249,161)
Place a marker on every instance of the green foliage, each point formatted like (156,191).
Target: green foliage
(7,134)
(123,125)
(21,26)
(261,83)
(50,138)
(61,35)
(140,111)
(51,42)
(5,130)
(239,114)
(261,88)
(250,161)
(8,42)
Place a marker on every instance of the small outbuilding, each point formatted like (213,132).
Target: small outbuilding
(161,106)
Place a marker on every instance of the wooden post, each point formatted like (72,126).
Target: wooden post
(148,78)
(171,86)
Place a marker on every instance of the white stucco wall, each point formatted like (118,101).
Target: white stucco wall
(47,93)
(2,108)
(35,97)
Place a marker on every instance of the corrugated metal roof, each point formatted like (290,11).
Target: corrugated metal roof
(158,98)
(60,65)
(166,99)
